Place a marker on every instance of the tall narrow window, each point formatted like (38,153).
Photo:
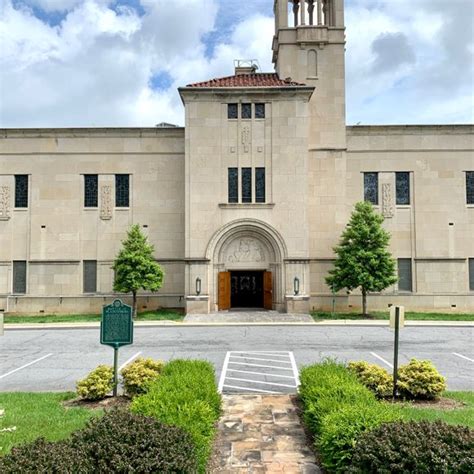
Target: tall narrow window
(122,190)
(260,185)
(403,188)
(246,185)
(19,277)
(371,188)
(21,190)
(233,185)
(405,281)
(91,190)
(90,276)
(470,187)
(232,111)
(471,274)
(259,111)
(246,111)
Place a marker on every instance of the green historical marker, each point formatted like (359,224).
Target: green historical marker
(116,330)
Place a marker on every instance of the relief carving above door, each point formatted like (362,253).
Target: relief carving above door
(245,250)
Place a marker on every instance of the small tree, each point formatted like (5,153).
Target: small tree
(363,259)
(135,267)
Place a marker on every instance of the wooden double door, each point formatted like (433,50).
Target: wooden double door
(245,289)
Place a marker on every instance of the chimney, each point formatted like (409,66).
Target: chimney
(245,66)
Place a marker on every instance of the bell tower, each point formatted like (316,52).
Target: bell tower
(309,46)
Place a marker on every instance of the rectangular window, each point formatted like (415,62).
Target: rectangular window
(91,190)
(246,111)
(233,185)
(371,188)
(259,111)
(232,111)
(471,274)
(246,185)
(403,188)
(470,187)
(21,190)
(122,190)
(19,277)
(405,282)
(260,185)
(90,276)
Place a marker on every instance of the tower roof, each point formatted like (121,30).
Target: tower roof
(248,80)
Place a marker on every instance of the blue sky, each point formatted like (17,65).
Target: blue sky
(103,63)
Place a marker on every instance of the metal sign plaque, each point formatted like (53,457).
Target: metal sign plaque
(401,313)
(116,326)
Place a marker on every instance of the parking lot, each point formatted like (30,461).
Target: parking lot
(46,359)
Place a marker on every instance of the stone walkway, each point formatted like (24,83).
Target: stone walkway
(248,317)
(262,434)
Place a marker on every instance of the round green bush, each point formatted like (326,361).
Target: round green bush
(138,375)
(423,447)
(97,384)
(374,377)
(419,379)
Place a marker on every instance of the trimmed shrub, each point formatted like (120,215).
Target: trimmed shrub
(138,375)
(43,457)
(423,447)
(97,384)
(185,395)
(124,442)
(419,379)
(374,377)
(341,428)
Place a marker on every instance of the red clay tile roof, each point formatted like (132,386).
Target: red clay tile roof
(249,80)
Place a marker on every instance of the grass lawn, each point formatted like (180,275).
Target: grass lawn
(382,315)
(160,315)
(458,416)
(38,415)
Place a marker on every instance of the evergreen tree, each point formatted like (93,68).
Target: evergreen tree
(363,259)
(135,267)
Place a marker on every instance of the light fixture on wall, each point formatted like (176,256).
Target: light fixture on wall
(296,285)
(198,286)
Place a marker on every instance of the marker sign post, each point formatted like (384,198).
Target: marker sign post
(397,321)
(116,330)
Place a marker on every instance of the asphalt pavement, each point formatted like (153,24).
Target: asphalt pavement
(54,359)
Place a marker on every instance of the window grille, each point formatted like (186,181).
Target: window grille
(90,276)
(371,188)
(122,190)
(246,111)
(405,281)
(91,190)
(260,185)
(233,185)
(232,111)
(470,187)
(403,188)
(259,111)
(21,190)
(246,185)
(471,274)
(19,277)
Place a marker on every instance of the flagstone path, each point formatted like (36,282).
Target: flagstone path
(262,434)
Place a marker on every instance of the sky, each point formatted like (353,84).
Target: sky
(83,63)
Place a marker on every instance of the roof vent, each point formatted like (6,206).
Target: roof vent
(245,66)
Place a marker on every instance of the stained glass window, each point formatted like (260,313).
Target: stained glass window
(246,111)
(405,282)
(246,185)
(233,185)
(91,190)
(122,190)
(371,188)
(403,188)
(90,276)
(471,274)
(259,111)
(21,190)
(470,187)
(260,185)
(19,277)
(232,111)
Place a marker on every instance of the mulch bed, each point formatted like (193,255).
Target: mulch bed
(438,404)
(107,403)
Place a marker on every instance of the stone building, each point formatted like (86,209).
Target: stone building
(245,203)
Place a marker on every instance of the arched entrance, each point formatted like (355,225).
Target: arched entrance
(246,259)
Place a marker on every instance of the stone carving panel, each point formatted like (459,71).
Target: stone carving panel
(245,250)
(106,203)
(245,135)
(4,203)
(387,200)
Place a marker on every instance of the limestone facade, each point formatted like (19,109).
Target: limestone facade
(179,191)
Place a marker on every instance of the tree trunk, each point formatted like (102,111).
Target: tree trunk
(364,302)
(134,307)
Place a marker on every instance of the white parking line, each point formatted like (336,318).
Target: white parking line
(382,359)
(272,354)
(129,360)
(24,366)
(262,373)
(251,389)
(463,357)
(257,358)
(295,369)
(261,382)
(224,370)
(259,365)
